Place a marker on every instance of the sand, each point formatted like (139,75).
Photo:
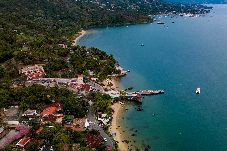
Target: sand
(115,84)
(80,35)
(118,108)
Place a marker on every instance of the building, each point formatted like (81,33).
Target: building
(104,119)
(23,142)
(80,79)
(63,46)
(113,93)
(33,72)
(51,109)
(30,113)
(12,116)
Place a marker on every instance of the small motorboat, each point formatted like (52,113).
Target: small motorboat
(197,91)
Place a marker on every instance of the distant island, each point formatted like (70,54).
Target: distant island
(55,94)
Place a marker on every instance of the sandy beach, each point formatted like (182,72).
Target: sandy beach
(115,84)
(79,36)
(118,108)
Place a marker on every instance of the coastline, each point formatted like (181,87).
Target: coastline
(118,108)
(79,36)
(115,129)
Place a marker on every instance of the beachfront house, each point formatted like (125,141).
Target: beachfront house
(104,119)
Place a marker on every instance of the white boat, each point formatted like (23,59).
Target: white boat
(197,91)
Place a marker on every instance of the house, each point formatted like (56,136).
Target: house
(2,132)
(14,134)
(113,93)
(62,46)
(86,125)
(51,109)
(35,75)
(68,120)
(12,116)
(23,142)
(38,130)
(94,79)
(30,113)
(104,119)
(80,79)
(49,118)
(86,87)
(33,72)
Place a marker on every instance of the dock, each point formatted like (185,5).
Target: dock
(137,96)
(149,92)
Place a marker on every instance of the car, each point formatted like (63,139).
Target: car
(105,139)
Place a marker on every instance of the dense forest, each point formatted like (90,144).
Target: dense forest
(35,27)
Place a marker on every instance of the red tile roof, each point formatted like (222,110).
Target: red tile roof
(38,130)
(23,141)
(51,109)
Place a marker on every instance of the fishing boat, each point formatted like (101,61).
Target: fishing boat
(197,91)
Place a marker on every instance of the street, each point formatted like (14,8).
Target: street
(94,125)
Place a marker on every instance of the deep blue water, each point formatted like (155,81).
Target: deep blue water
(177,57)
(199,1)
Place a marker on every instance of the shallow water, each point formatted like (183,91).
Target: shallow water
(177,57)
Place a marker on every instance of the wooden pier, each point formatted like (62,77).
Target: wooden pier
(137,96)
(149,92)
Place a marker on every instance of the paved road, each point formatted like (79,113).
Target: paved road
(94,125)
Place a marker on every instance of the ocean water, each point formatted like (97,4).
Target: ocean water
(199,1)
(177,57)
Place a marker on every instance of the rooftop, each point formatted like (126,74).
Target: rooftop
(51,109)
(23,141)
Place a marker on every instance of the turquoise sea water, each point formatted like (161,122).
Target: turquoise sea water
(177,57)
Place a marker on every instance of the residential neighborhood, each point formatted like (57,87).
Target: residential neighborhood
(25,128)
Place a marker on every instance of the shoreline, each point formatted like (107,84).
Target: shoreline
(115,129)
(79,36)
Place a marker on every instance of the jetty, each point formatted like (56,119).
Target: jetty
(149,92)
(137,96)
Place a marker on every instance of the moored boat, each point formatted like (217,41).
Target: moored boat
(197,91)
